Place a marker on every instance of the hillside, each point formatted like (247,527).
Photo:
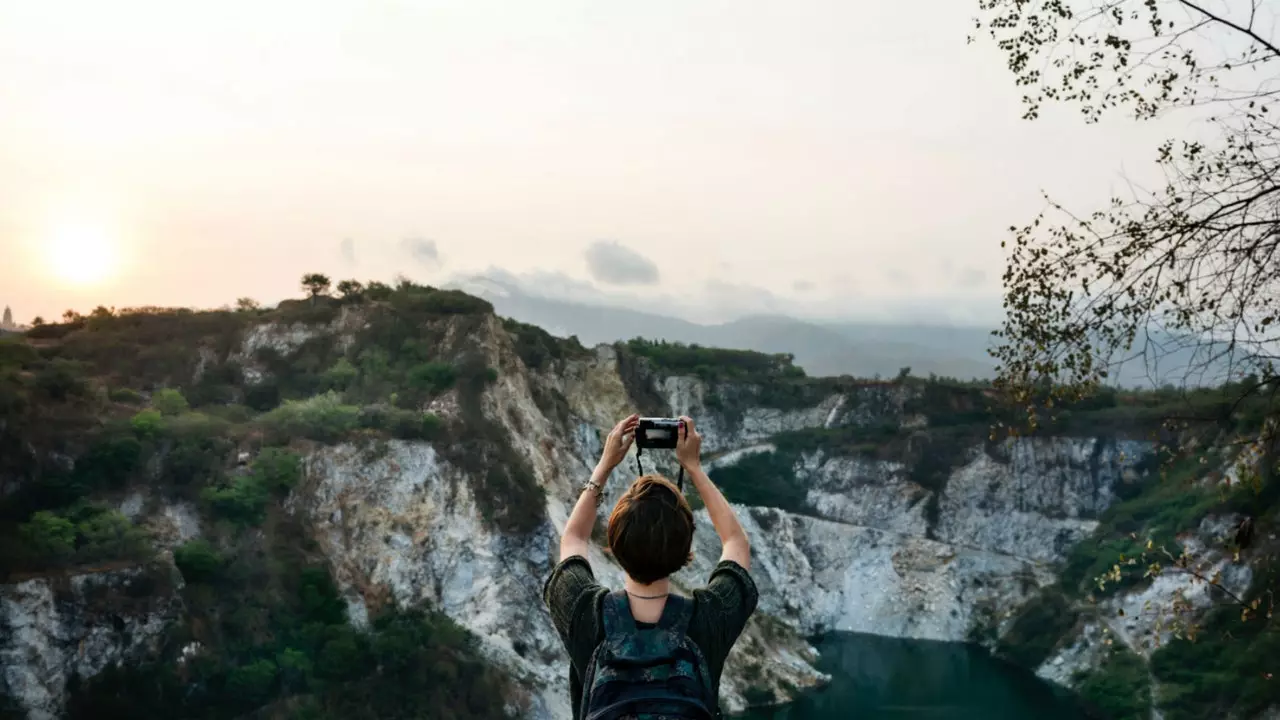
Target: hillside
(346,507)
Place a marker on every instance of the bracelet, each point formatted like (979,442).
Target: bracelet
(593,485)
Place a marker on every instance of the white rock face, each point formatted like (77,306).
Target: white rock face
(1039,503)
(818,576)
(53,630)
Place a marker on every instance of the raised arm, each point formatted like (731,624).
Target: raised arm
(577,530)
(732,537)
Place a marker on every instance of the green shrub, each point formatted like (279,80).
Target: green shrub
(766,479)
(198,560)
(127,396)
(243,501)
(252,684)
(432,377)
(195,461)
(148,424)
(341,375)
(49,536)
(169,401)
(278,469)
(323,418)
(1119,686)
(109,463)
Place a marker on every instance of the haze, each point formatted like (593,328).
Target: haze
(821,159)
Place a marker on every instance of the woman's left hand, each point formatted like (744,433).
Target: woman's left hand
(619,442)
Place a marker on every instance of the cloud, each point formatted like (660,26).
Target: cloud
(612,263)
(802,285)
(422,250)
(347,249)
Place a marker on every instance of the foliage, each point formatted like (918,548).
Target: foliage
(324,418)
(275,641)
(198,560)
(764,479)
(315,284)
(432,377)
(169,401)
(1039,627)
(1186,273)
(83,533)
(127,396)
(351,290)
(148,423)
(244,499)
(715,364)
(1119,686)
(341,375)
(1226,669)
(537,348)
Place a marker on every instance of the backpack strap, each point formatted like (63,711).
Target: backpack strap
(617,614)
(676,614)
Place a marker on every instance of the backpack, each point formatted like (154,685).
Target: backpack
(648,673)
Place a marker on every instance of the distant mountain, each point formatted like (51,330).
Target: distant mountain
(862,350)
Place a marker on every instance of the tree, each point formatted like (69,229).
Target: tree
(351,290)
(37,321)
(315,284)
(247,304)
(1189,267)
(169,401)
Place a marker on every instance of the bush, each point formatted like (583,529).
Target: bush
(81,534)
(127,396)
(109,463)
(765,479)
(403,424)
(432,377)
(323,418)
(1119,686)
(49,536)
(243,501)
(341,375)
(198,561)
(278,469)
(148,424)
(169,401)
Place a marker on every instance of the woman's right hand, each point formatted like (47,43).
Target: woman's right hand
(688,445)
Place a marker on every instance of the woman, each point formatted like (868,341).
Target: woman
(643,650)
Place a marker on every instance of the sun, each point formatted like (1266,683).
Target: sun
(82,254)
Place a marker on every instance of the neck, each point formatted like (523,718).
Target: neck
(660,587)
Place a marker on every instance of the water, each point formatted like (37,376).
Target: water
(877,678)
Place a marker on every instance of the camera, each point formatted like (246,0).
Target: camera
(661,433)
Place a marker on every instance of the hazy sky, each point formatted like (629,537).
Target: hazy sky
(810,157)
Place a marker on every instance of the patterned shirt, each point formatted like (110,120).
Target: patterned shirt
(720,612)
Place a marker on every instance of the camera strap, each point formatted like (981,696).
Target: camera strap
(640,469)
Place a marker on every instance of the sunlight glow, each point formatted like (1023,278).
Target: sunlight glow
(82,254)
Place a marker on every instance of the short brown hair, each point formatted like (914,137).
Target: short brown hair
(651,529)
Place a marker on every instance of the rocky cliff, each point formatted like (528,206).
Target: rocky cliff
(901,537)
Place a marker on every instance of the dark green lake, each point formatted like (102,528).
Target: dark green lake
(892,679)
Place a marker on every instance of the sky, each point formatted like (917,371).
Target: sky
(818,158)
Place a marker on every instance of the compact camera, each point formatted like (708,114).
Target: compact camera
(660,433)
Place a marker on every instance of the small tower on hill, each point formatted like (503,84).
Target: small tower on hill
(6,322)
